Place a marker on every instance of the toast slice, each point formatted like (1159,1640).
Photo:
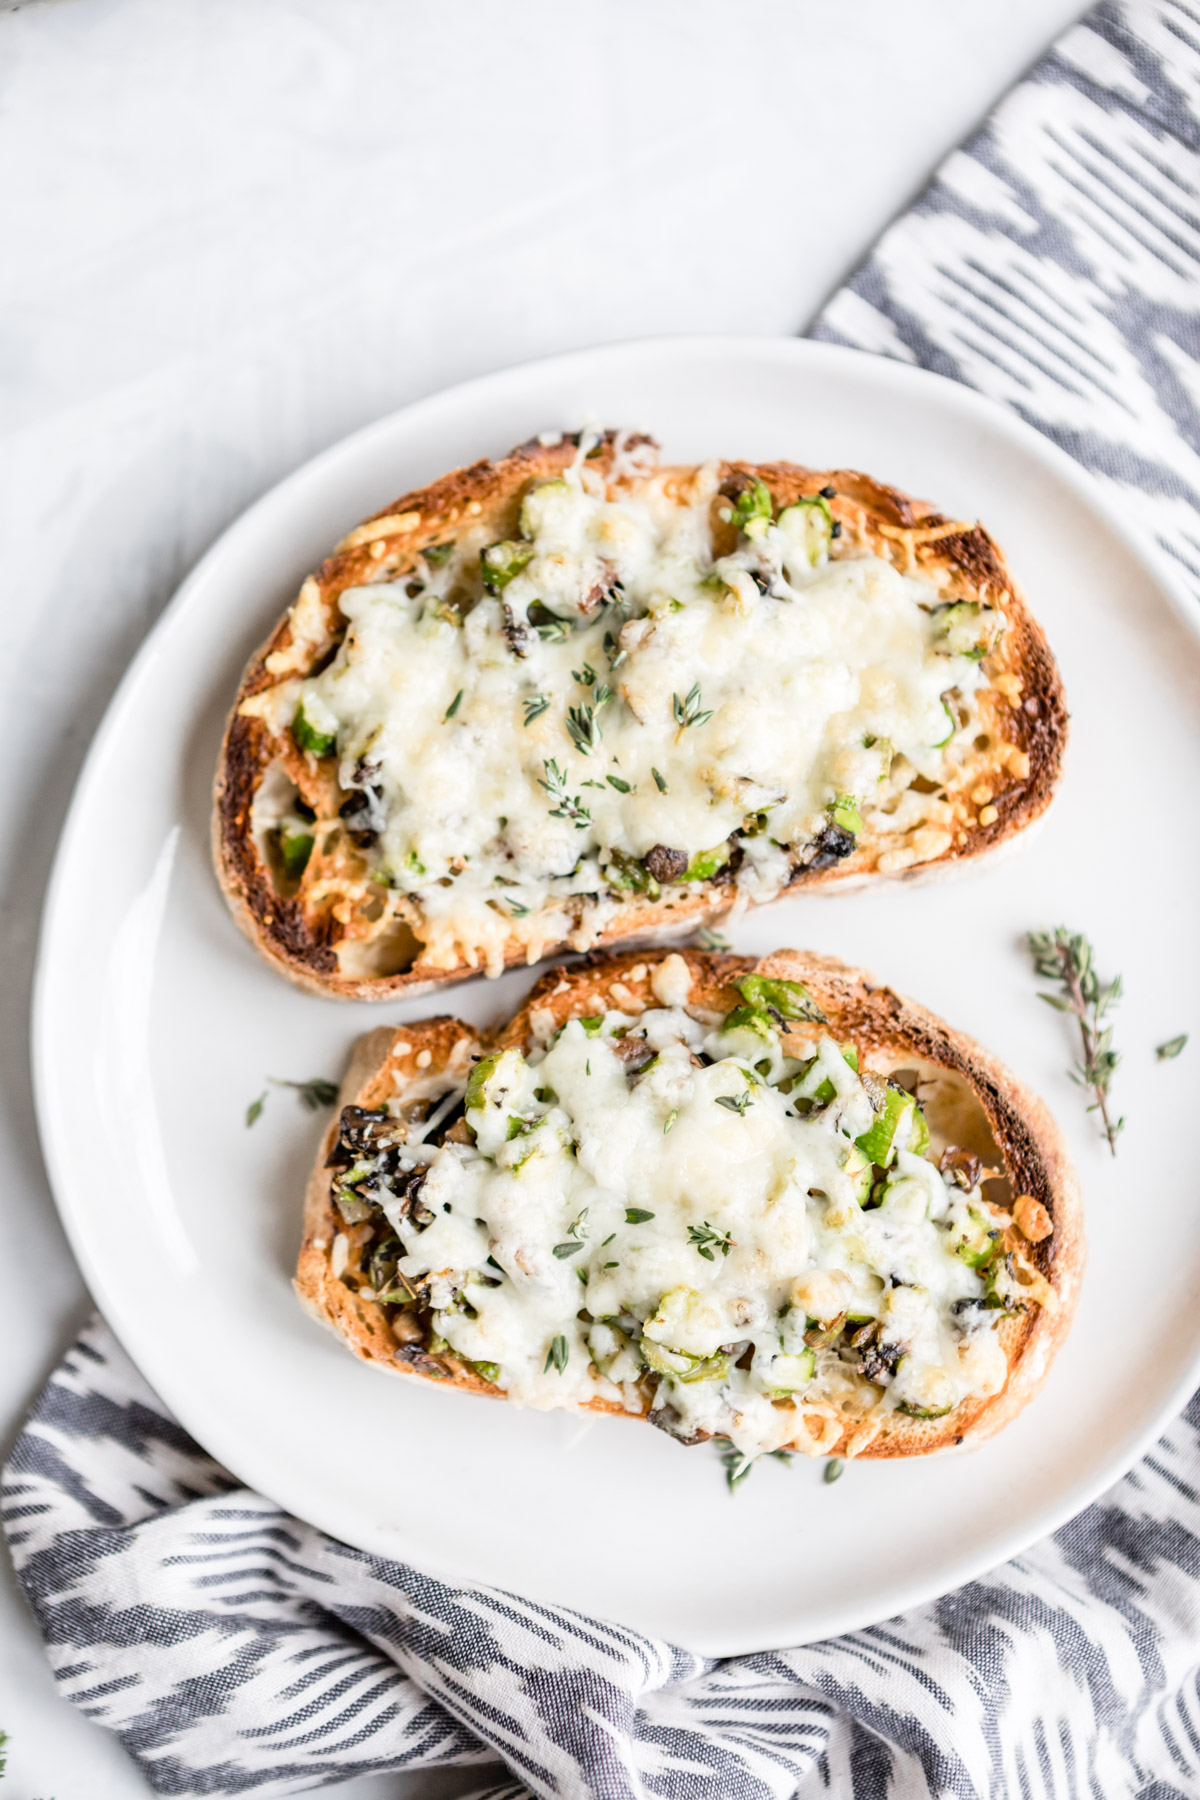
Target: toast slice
(490,728)
(773,1201)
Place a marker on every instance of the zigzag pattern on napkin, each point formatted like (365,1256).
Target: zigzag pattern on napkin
(236,1651)
(1054,264)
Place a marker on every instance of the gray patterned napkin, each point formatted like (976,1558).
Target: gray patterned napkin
(1055,265)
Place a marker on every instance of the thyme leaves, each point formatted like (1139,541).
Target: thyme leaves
(575,1239)
(314,1094)
(736,1102)
(707,1241)
(738,1465)
(582,729)
(687,711)
(1067,957)
(566,806)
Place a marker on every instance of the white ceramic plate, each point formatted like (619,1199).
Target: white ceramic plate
(156,1024)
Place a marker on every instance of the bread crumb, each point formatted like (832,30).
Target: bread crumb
(474,508)
(981,795)
(988,815)
(892,861)
(861,1436)
(463,1055)
(1018,764)
(1032,1219)
(391,525)
(671,981)
(638,973)
(1008,685)
(308,628)
(1034,1282)
(624,997)
(928,842)
(542,1023)
(401,1048)
(424,1058)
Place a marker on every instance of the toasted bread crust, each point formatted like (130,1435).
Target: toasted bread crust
(889,1030)
(1025,715)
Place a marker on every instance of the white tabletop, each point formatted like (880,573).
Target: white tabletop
(233,233)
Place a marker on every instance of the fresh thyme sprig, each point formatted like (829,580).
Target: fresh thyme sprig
(736,1102)
(712,940)
(582,729)
(313,1094)
(576,1237)
(567,807)
(535,706)
(738,1465)
(687,711)
(616,656)
(1066,957)
(707,1240)
(1168,1051)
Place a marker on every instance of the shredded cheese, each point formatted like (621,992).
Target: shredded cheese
(688,1220)
(604,708)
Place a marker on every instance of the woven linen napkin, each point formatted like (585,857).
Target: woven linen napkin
(1054,264)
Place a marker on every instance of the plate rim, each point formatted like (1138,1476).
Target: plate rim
(723,1641)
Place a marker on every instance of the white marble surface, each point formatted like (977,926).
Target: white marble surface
(232,233)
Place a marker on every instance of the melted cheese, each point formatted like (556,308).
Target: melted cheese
(690,1216)
(622,691)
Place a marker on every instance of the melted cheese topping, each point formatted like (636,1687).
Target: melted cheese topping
(620,691)
(648,1200)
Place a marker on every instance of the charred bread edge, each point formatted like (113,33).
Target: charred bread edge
(857,1006)
(871,513)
